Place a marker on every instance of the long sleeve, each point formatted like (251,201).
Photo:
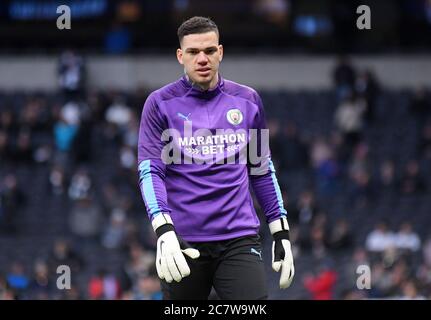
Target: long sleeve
(262,173)
(151,168)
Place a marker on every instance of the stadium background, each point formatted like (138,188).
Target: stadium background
(349,116)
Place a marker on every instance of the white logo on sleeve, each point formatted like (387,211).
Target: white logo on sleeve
(234,116)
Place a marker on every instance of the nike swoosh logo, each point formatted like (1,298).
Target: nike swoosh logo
(161,246)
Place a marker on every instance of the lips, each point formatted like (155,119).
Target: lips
(203,71)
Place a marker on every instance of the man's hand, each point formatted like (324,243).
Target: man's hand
(282,258)
(170,261)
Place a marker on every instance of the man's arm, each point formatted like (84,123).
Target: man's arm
(170,261)
(267,190)
(151,168)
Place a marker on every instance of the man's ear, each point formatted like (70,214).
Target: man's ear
(220,48)
(180,56)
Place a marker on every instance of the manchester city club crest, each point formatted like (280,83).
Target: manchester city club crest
(234,116)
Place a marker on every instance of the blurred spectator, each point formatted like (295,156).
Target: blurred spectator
(344,76)
(43,153)
(130,137)
(317,240)
(367,87)
(400,273)
(85,218)
(388,280)
(406,239)
(72,132)
(325,166)
(412,181)
(17,279)
(391,256)
(72,113)
(115,232)
(354,295)
(424,277)
(104,286)
(74,293)
(358,258)
(410,291)
(71,74)
(139,264)
(349,121)
(63,254)
(128,158)
(112,197)
(424,270)
(119,113)
(387,183)
(321,286)
(426,250)
(96,105)
(341,237)
(31,117)
(360,160)
(81,143)
(12,200)
(293,151)
(274,11)
(64,134)
(129,11)
(132,231)
(5,152)
(362,190)
(118,117)
(380,238)
(23,151)
(341,149)
(5,291)
(381,281)
(7,121)
(148,288)
(305,208)
(41,286)
(127,168)
(57,181)
(80,185)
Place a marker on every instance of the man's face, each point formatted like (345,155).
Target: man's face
(201,55)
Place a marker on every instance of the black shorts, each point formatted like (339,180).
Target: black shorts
(234,268)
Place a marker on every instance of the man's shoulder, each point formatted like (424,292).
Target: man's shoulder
(240,90)
(167,92)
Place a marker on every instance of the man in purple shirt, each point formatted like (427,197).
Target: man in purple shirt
(202,142)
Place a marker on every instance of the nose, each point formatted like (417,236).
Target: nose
(202,58)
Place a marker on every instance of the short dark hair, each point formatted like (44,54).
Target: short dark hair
(196,25)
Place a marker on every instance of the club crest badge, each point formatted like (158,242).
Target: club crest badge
(234,116)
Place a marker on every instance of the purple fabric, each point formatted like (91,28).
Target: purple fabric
(207,201)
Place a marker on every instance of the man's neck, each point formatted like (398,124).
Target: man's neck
(205,87)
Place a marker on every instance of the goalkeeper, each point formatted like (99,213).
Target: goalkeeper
(201,210)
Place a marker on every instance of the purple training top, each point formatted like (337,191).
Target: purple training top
(208,200)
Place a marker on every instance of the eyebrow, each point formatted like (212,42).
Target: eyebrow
(197,49)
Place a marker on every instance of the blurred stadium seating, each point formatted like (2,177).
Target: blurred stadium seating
(43,218)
